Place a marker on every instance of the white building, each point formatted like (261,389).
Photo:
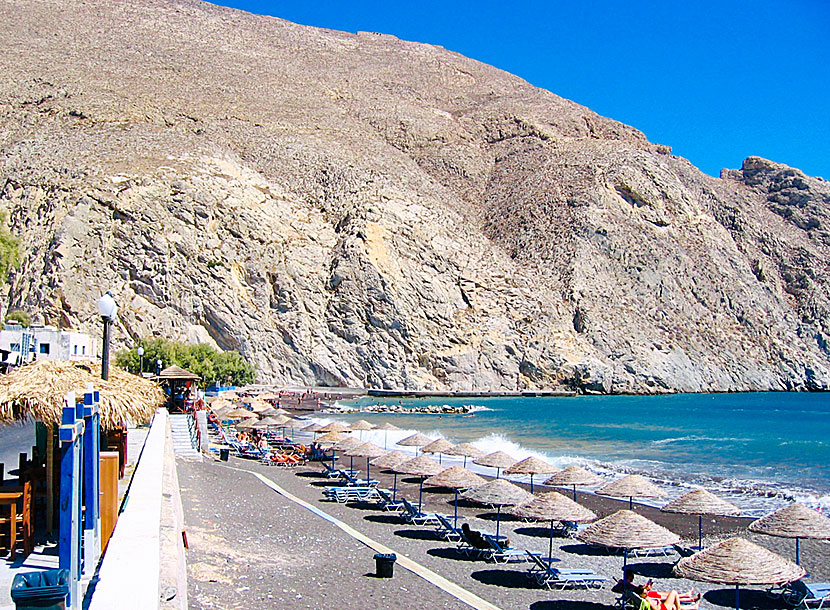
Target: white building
(39,342)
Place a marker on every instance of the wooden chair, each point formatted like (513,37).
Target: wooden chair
(16,518)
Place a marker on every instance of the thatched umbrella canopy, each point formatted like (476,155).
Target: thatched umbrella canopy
(573,475)
(466,450)
(269,412)
(531,465)
(700,502)
(335,427)
(269,422)
(553,506)
(239,413)
(368,451)
(330,438)
(422,467)
(498,493)
(497,460)
(627,530)
(248,423)
(312,427)
(416,440)
(632,486)
(794,521)
(281,412)
(222,412)
(220,403)
(268,396)
(229,395)
(389,460)
(456,478)
(348,443)
(38,391)
(386,427)
(440,447)
(737,561)
(259,406)
(361,425)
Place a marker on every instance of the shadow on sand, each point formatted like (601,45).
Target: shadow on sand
(512,579)
(567,604)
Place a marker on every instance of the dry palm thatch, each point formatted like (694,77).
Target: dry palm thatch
(386,426)
(439,446)
(421,466)
(269,422)
(229,395)
(282,412)
(312,428)
(38,391)
(738,562)
(220,403)
(330,438)
(531,465)
(366,450)
(416,440)
(497,459)
(456,477)
(466,450)
(701,502)
(268,396)
(390,459)
(269,412)
(574,475)
(794,521)
(239,413)
(249,423)
(632,486)
(335,427)
(349,442)
(627,530)
(362,424)
(498,493)
(553,506)
(259,406)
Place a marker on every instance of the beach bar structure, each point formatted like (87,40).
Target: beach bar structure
(179,381)
(46,393)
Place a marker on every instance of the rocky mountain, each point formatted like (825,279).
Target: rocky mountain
(354,209)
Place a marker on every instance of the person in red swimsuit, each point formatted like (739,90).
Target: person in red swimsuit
(659,600)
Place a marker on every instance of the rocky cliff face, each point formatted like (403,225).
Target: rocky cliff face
(360,210)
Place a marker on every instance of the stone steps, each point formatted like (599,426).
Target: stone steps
(182,445)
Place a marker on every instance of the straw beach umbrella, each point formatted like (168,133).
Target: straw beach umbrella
(456,478)
(361,425)
(627,530)
(466,450)
(440,447)
(632,486)
(386,427)
(737,561)
(253,422)
(531,465)
(422,467)
(345,445)
(573,475)
(497,460)
(240,413)
(794,521)
(700,502)
(367,450)
(220,403)
(553,506)
(498,493)
(331,438)
(335,427)
(389,460)
(416,440)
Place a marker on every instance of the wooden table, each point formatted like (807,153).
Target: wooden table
(10,499)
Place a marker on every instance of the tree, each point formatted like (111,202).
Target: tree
(212,365)
(21,317)
(9,248)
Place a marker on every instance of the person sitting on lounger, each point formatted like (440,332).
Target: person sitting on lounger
(658,600)
(476,538)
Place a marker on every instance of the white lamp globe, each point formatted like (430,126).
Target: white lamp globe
(107,306)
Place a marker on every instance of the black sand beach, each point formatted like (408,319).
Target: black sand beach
(253,548)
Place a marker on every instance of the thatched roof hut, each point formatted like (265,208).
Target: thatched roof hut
(38,390)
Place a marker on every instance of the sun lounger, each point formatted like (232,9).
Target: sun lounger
(657,551)
(802,594)
(342,494)
(500,553)
(352,481)
(466,546)
(387,503)
(446,529)
(413,515)
(561,578)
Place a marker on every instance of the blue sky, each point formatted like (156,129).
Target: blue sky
(717,81)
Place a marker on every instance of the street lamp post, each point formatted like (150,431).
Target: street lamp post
(108,310)
(140,352)
(158,367)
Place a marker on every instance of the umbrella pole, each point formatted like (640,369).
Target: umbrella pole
(498,519)
(498,470)
(574,493)
(531,482)
(420,493)
(630,502)
(395,487)
(351,463)
(700,532)
(465,461)
(367,471)
(550,546)
(455,524)
(797,553)
(737,597)
(439,457)
(333,453)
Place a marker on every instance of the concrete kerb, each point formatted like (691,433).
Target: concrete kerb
(129,573)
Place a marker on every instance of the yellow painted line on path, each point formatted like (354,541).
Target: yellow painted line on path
(469,598)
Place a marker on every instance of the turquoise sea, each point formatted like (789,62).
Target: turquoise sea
(760,449)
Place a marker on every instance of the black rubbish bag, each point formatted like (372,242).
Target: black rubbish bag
(46,590)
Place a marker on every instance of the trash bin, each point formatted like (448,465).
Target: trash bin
(45,590)
(385,565)
(224,454)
